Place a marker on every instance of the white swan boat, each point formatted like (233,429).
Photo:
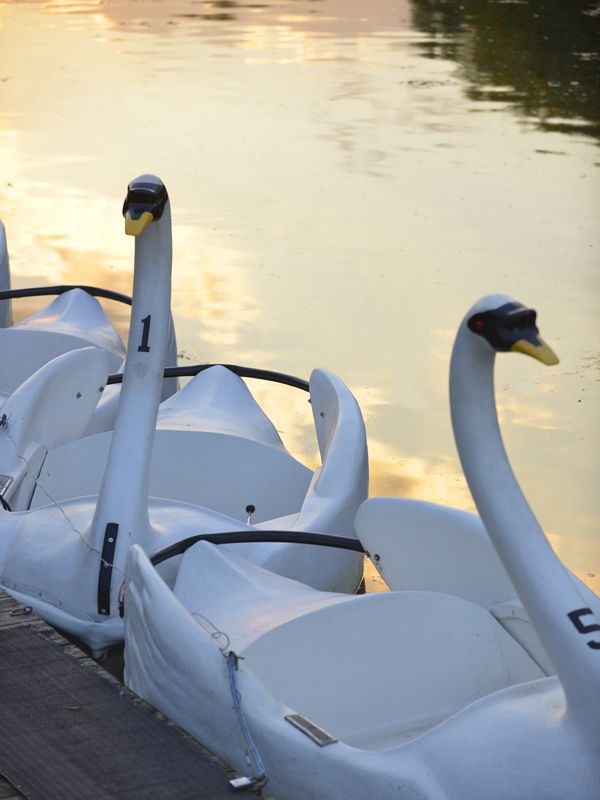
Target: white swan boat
(413,693)
(67,559)
(423,546)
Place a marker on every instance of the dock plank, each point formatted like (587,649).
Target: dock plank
(70,730)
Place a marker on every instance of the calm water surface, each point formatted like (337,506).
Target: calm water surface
(346,179)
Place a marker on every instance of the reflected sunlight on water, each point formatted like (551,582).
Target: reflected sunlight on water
(346,179)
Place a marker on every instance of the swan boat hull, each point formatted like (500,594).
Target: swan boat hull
(394,718)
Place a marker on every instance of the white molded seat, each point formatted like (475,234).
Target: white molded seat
(203,454)
(73,320)
(51,407)
(429,547)
(355,665)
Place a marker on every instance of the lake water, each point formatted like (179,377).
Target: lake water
(346,179)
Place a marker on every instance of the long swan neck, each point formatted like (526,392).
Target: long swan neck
(5,305)
(123,498)
(544,586)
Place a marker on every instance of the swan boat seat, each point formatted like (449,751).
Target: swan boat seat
(51,407)
(213,447)
(429,547)
(73,320)
(374,671)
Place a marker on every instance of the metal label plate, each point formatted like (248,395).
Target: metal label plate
(311,729)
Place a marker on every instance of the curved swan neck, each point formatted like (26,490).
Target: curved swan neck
(123,498)
(544,586)
(5,305)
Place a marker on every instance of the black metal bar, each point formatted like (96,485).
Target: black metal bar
(240,537)
(243,372)
(106,566)
(43,291)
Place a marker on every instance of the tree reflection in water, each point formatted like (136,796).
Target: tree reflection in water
(540,55)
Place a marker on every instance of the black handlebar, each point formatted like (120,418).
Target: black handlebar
(243,372)
(43,291)
(240,537)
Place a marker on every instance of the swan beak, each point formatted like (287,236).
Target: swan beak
(542,352)
(133,227)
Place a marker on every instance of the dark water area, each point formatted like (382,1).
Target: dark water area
(541,57)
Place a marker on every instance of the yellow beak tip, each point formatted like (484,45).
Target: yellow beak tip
(541,352)
(133,227)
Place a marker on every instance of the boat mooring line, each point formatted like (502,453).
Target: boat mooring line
(260,780)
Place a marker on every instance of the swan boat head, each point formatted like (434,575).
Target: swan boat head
(145,202)
(508,326)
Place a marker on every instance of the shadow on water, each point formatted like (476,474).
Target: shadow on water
(541,56)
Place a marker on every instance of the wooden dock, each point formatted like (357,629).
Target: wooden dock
(71,731)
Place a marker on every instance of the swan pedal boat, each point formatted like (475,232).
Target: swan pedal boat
(215,464)
(408,693)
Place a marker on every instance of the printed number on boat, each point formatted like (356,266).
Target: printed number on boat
(144,347)
(575,617)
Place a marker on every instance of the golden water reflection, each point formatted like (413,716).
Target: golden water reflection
(346,179)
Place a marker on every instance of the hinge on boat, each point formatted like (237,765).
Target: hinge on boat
(311,729)
(106,567)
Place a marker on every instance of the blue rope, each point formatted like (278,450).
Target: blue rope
(232,665)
